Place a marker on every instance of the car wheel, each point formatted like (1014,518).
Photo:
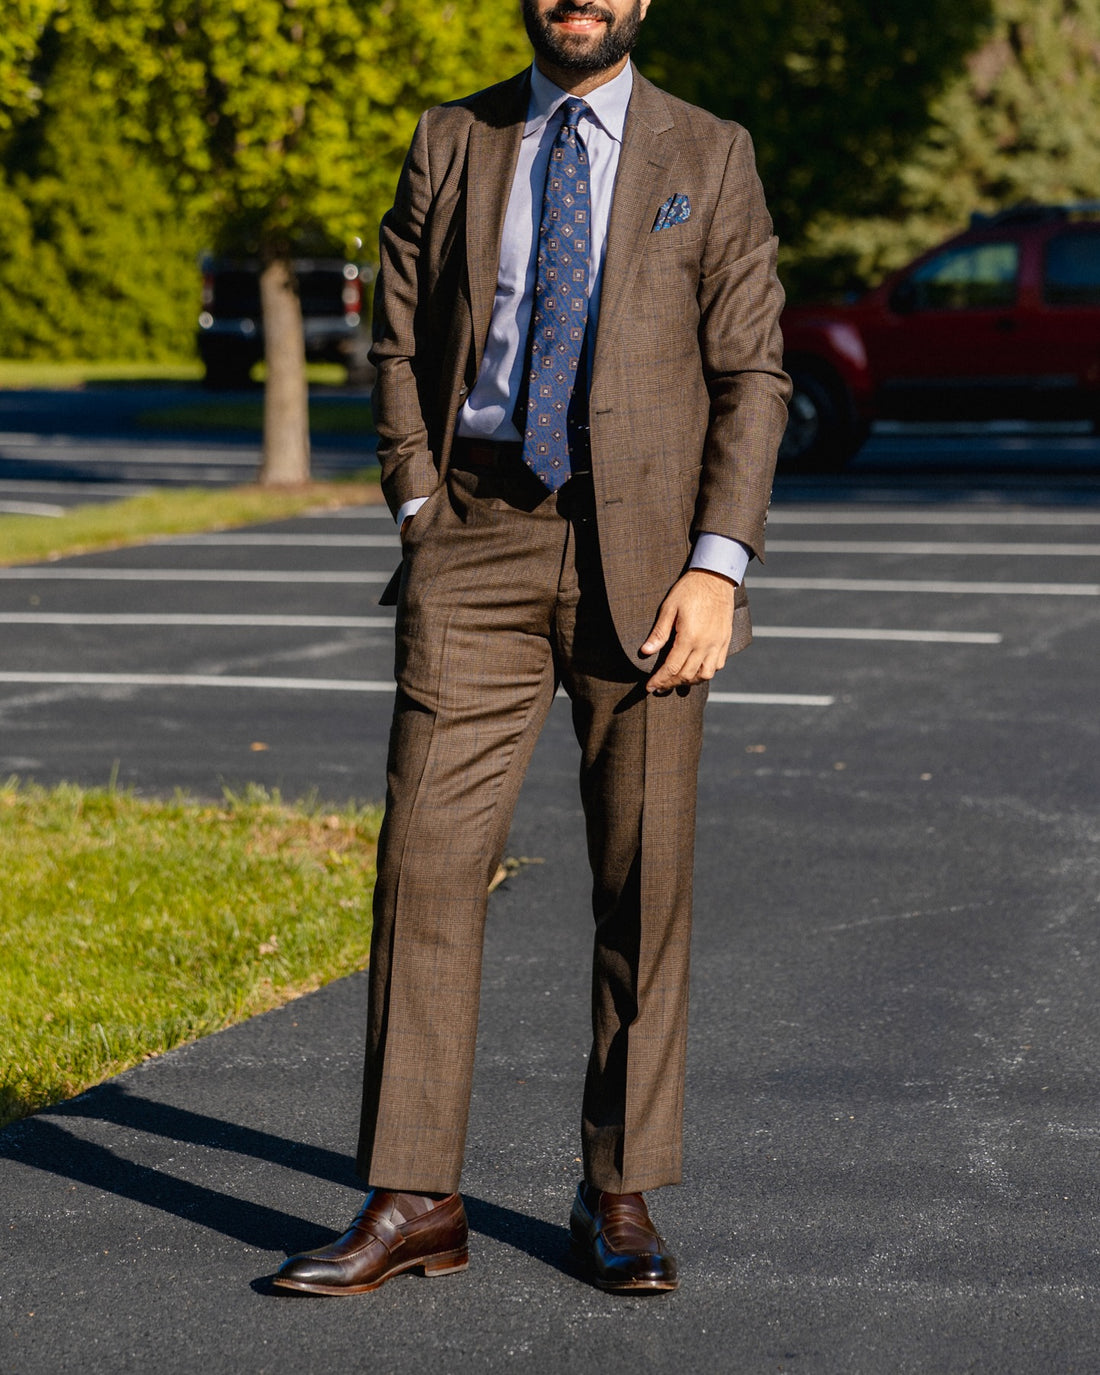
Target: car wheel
(822,433)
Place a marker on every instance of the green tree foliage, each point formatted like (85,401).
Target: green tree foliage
(100,258)
(24,22)
(289,118)
(835,92)
(1017,123)
(285,121)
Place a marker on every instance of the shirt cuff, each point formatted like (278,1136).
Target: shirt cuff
(409,508)
(720,554)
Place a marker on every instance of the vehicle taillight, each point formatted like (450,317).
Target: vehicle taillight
(352,297)
(208,289)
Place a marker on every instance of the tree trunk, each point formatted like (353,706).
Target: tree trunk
(285,460)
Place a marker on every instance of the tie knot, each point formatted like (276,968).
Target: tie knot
(573,111)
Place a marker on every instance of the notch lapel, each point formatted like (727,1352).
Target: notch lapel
(633,208)
(490,166)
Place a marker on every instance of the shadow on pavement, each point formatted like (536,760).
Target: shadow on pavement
(43,1143)
(47,1146)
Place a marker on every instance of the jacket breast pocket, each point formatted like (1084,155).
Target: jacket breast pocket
(677,238)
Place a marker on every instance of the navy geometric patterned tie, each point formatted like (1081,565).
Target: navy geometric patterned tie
(561,302)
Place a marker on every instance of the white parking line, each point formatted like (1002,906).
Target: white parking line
(930,547)
(227,575)
(290,541)
(924,637)
(170,618)
(206,680)
(379,511)
(94,489)
(984,589)
(276,622)
(771,699)
(781,516)
(29,508)
(92,449)
(196,680)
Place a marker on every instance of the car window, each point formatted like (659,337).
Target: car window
(1071,272)
(976,277)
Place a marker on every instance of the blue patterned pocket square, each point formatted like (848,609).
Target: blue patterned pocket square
(676,210)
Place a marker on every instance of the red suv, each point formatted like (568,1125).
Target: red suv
(1000,321)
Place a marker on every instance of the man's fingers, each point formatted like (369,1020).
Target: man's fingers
(678,669)
(687,665)
(699,612)
(664,679)
(662,629)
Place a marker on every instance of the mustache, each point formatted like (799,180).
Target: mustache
(562,12)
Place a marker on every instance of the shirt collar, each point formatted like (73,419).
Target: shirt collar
(607,102)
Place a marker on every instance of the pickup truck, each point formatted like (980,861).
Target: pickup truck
(230,336)
(1001,321)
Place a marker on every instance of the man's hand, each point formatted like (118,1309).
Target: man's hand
(697,616)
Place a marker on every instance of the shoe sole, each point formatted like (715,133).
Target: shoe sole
(447,1263)
(584,1262)
(633,1286)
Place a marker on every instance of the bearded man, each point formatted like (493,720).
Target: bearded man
(579,400)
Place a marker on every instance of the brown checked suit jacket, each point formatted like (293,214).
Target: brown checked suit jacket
(688,394)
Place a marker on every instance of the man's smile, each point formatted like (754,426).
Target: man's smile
(582,38)
(583,21)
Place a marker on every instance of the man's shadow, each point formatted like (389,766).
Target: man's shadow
(43,1143)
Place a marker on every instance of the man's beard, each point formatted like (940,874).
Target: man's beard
(573,55)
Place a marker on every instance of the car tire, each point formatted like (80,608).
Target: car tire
(822,432)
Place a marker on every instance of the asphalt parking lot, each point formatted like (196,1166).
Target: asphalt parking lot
(892,1146)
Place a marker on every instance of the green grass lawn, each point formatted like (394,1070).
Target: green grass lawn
(178,511)
(76,374)
(61,375)
(129,926)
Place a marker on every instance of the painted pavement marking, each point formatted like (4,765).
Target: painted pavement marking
(208,680)
(979,589)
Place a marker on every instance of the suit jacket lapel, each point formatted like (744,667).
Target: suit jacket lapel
(491,160)
(633,208)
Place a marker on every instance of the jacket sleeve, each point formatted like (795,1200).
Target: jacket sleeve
(740,299)
(408,469)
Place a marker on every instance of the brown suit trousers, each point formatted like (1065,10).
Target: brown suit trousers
(502,597)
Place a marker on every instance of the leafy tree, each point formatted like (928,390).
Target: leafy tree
(835,92)
(22,29)
(285,120)
(100,259)
(1017,123)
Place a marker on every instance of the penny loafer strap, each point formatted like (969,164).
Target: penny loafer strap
(381,1229)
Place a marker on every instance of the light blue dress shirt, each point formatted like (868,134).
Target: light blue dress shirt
(491,403)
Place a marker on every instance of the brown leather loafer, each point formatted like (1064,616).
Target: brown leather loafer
(618,1245)
(392,1232)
